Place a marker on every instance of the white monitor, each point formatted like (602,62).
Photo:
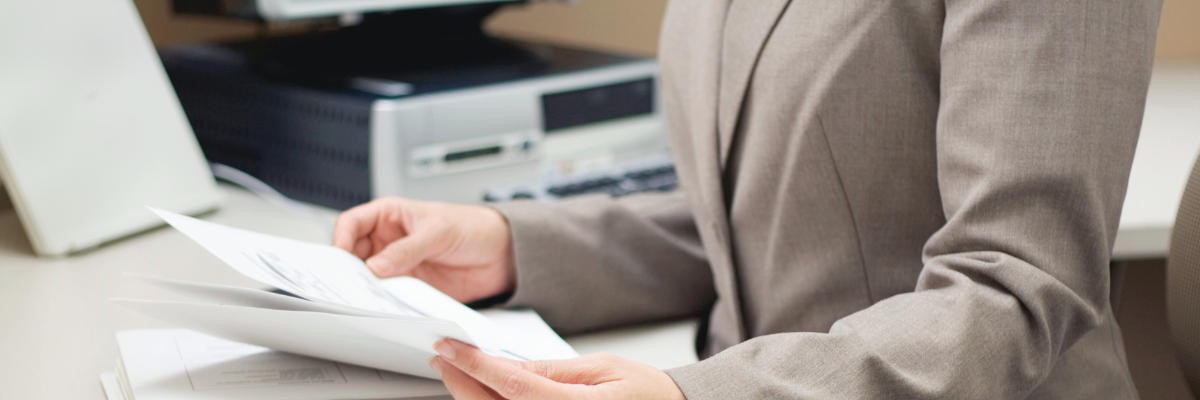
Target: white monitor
(90,129)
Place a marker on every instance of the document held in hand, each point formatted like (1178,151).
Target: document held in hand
(347,314)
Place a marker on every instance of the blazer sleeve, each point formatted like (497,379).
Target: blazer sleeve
(594,261)
(1041,104)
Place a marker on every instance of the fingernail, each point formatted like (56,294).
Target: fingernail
(436,366)
(379,265)
(444,349)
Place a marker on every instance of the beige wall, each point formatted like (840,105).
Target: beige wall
(1179,31)
(167,29)
(627,26)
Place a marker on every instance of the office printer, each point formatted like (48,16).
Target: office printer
(422,104)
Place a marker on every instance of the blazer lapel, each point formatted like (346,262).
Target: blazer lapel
(705,76)
(747,27)
(691,54)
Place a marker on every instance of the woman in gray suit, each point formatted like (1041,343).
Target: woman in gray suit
(904,198)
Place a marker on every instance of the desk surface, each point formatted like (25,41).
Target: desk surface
(56,330)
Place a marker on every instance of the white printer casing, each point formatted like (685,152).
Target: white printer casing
(412,137)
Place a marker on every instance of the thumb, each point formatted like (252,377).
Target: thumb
(587,370)
(403,255)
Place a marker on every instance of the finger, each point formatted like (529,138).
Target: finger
(362,248)
(506,377)
(401,256)
(461,385)
(355,223)
(465,284)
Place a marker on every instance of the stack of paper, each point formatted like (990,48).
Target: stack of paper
(180,364)
(353,325)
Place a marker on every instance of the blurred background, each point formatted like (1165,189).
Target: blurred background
(623,26)
(626,27)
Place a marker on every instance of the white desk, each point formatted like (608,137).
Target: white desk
(1169,144)
(56,330)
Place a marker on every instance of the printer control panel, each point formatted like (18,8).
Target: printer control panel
(653,174)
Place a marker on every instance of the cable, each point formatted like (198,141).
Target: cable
(265,191)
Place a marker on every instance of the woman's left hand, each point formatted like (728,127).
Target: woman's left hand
(470,374)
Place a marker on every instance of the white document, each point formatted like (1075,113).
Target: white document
(353,317)
(316,272)
(392,344)
(178,364)
(112,386)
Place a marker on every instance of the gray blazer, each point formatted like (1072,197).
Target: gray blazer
(880,199)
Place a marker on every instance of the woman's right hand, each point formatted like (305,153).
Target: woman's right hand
(464,251)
